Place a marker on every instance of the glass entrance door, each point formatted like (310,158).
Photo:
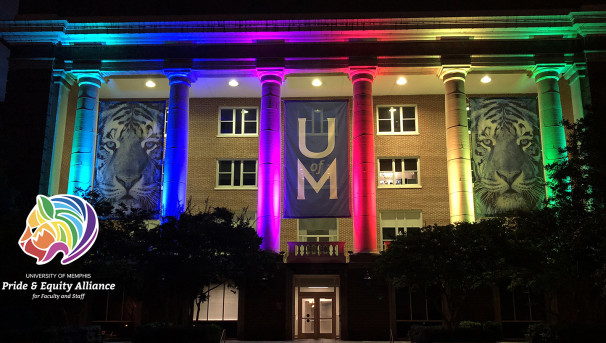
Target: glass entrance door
(316,315)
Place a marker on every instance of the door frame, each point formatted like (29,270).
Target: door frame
(316,317)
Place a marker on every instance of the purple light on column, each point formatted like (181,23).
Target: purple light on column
(177,139)
(268,198)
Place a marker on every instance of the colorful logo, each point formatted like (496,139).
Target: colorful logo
(61,223)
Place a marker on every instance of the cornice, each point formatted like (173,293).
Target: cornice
(309,30)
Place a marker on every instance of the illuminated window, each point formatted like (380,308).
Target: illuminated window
(399,172)
(237,173)
(397,119)
(396,223)
(318,230)
(221,304)
(238,121)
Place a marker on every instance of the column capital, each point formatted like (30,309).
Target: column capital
(547,71)
(66,79)
(180,75)
(575,71)
(89,77)
(274,75)
(362,73)
(454,72)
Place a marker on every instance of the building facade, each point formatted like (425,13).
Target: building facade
(415,144)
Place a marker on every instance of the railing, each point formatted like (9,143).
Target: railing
(316,252)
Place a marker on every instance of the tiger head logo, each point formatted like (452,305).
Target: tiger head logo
(129,154)
(506,156)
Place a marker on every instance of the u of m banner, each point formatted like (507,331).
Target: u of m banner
(316,159)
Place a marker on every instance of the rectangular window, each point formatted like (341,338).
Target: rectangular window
(238,121)
(237,173)
(318,230)
(396,223)
(397,119)
(221,304)
(399,172)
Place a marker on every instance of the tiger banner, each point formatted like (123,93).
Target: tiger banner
(506,155)
(130,146)
(316,159)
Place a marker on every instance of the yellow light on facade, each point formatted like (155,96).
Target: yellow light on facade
(486,79)
(150,84)
(316,83)
(233,83)
(401,81)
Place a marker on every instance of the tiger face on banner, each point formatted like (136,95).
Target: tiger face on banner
(130,146)
(506,155)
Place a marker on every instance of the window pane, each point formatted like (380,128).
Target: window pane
(250,166)
(408,112)
(237,168)
(389,233)
(402,304)
(418,305)
(384,113)
(410,164)
(250,127)
(408,125)
(411,178)
(398,164)
(238,122)
(231,304)
(226,128)
(384,125)
(224,179)
(318,224)
(398,178)
(248,179)
(227,114)
(215,304)
(385,165)
(388,219)
(225,166)
(251,115)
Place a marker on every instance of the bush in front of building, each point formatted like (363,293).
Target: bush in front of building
(467,331)
(164,332)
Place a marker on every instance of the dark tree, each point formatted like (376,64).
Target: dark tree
(168,266)
(454,259)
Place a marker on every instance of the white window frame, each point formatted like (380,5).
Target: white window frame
(405,227)
(231,172)
(403,185)
(400,131)
(242,123)
(331,238)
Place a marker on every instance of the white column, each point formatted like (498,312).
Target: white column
(458,152)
